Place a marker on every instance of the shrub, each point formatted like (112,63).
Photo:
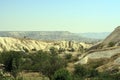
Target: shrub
(52,64)
(62,74)
(83,72)
(44,62)
(111,44)
(80,70)
(116,76)
(68,56)
(53,50)
(91,73)
(105,76)
(34,49)
(61,50)
(12,62)
(93,64)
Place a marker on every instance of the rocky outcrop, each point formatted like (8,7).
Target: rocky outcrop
(99,55)
(111,41)
(113,37)
(108,60)
(108,49)
(15,44)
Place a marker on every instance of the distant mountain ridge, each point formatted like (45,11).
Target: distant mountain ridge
(95,35)
(46,35)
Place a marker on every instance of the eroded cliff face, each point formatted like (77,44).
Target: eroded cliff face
(107,51)
(113,37)
(15,44)
(112,40)
(103,54)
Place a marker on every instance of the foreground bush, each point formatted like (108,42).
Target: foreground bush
(44,63)
(12,62)
(62,74)
(80,71)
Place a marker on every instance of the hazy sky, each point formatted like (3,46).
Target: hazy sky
(59,15)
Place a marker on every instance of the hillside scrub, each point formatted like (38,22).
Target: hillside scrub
(41,61)
(62,74)
(50,65)
(12,62)
(111,44)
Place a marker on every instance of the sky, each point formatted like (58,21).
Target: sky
(78,16)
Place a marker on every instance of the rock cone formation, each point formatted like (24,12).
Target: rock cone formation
(105,53)
(113,37)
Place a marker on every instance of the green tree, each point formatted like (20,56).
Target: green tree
(12,61)
(52,64)
(44,62)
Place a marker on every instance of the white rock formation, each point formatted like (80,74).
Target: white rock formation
(99,55)
(8,43)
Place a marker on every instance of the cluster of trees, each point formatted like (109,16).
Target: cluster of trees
(50,65)
(46,63)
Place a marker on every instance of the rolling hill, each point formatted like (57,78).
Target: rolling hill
(47,35)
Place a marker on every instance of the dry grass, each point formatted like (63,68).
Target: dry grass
(70,67)
(32,76)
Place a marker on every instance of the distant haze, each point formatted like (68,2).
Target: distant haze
(101,35)
(55,35)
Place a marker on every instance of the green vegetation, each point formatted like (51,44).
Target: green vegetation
(68,56)
(111,44)
(82,73)
(53,50)
(41,61)
(12,62)
(61,50)
(50,65)
(62,74)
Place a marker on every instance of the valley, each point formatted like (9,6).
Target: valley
(80,59)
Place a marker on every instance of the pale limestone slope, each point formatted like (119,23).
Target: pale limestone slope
(99,55)
(9,43)
(113,37)
(108,49)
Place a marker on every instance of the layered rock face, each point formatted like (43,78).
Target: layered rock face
(113,37)
(102,51)
(15,44)
(111,41)
(106,54)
